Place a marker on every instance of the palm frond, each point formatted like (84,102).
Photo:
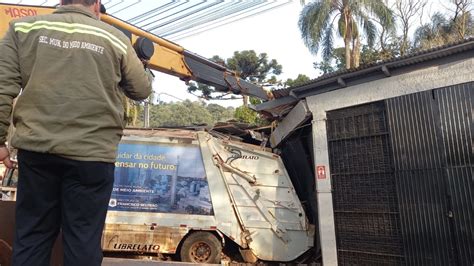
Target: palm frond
(378,9)
(328,44)
(314,18)
(370,30)
(341,27)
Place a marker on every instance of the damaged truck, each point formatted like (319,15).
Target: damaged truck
(182,192)
(191,193)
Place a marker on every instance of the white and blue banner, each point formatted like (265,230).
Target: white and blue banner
(167,178)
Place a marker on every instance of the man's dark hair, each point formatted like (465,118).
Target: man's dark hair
(82,2)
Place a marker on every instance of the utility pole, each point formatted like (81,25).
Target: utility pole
(147,114)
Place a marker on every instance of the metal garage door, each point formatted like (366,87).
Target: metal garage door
(402,177)
(432,135)
(364,190)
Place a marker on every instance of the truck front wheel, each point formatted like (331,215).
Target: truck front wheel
(201,247)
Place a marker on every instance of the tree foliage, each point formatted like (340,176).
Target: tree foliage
(432,34)
(220,113)
(406,10)
(300,80)
(246,115)
(252,67)
(248,65)
(319,18)
(442,30)
(188,113)
(454,24)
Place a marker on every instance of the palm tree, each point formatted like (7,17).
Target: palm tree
(317,24)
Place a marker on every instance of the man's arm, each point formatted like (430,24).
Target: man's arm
(10,86)
(136,83)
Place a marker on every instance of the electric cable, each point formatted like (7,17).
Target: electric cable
(149,12)
(138,1)
(179,17)
(162,12)
(209,27)
(205,18)
(112,6)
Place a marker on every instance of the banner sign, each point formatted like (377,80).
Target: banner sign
(168,178)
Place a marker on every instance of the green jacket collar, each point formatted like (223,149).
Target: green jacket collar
(75,9)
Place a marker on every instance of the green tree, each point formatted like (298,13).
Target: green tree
(300,80)
(248,65)
(184,113)
(246,115)
(252,67)
(220,113)
(325,66)
(434,33)
(317,28)
(443,30)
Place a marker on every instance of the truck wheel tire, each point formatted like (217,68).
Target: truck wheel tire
(5,253)
(201,247)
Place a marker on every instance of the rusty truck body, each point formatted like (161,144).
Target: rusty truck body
(189,192)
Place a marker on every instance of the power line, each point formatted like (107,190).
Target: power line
(112,6)
(210,16)
(163,12)
(143,16)
(180,19)
(137,2)
(209,27)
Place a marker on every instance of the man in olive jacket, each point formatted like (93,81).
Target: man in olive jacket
(72,70)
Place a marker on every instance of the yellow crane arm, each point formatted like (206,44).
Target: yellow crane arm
(168,57)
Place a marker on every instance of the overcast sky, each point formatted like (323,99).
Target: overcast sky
(274,32)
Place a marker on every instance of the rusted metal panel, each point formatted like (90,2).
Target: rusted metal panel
(171,134)
(142,238)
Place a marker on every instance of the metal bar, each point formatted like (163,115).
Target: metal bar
(221,79)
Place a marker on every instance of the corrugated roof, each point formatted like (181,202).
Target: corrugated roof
(396,62)
(286,98)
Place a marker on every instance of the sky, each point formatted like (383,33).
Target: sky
(274,32)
